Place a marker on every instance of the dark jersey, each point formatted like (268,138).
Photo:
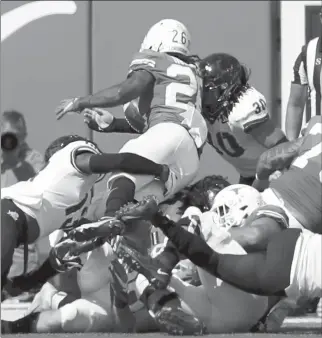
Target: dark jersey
(175,96)
(300,186)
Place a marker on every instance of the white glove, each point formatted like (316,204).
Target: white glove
(98,119)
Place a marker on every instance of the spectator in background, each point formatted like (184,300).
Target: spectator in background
(18,163)
(306,82)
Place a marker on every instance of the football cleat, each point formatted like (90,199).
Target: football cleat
(156,274)
(143,210)
(175,321)
(107,227)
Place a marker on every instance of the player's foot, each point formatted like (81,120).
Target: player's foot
(165,308)
(143,210)
(155,273)
(175,321)
(107,227)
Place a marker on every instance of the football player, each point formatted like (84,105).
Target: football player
(239,126)
(163,79)
(213,299)
(290,266)
(58,196)
(110,296)
(100,308)
(298,189)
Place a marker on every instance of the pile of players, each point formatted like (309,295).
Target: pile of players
(257,250)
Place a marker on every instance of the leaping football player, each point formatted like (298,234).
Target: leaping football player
(163,78)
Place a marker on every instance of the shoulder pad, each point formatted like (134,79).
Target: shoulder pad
(83,146)
(271,211)
(250,111)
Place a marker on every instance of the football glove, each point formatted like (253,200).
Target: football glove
(99,119)
(62,256)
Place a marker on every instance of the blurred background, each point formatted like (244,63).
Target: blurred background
(51,50)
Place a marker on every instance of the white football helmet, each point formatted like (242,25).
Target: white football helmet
(235,203)
(168,36)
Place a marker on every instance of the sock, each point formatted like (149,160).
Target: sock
(25,324)
(122,192)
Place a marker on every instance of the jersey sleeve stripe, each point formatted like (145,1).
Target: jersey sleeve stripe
(145,62)
(251,124)
(299,69)
(84,148)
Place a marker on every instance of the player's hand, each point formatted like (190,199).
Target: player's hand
(67,106)
(62,257)
(98,119)
(276,174)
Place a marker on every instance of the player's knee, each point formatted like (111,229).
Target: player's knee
(118,176)
(83,316)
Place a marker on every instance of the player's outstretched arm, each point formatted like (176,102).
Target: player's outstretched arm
(279,157)
(128,90)
(103,121)
(251,273)
(90,163)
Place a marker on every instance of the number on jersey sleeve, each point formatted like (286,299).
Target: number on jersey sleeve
(312,155)
(224,138)
(250,111)
(75,212)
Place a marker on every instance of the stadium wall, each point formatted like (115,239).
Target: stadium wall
(60,56)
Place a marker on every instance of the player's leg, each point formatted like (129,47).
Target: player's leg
(246,180)
(80,315)
(177,150)
(12,222)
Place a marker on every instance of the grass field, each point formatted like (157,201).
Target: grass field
(295,327)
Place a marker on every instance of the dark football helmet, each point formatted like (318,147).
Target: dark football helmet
(62,142)
(223,76)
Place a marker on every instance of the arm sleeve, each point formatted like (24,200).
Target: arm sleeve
(188,244)
(132,163)
(121,125)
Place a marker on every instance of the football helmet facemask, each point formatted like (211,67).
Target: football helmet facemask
(222,74)
(168,36)
(235,203)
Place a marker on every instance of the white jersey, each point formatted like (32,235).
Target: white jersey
(59,194)
(229,136)
(306,276)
